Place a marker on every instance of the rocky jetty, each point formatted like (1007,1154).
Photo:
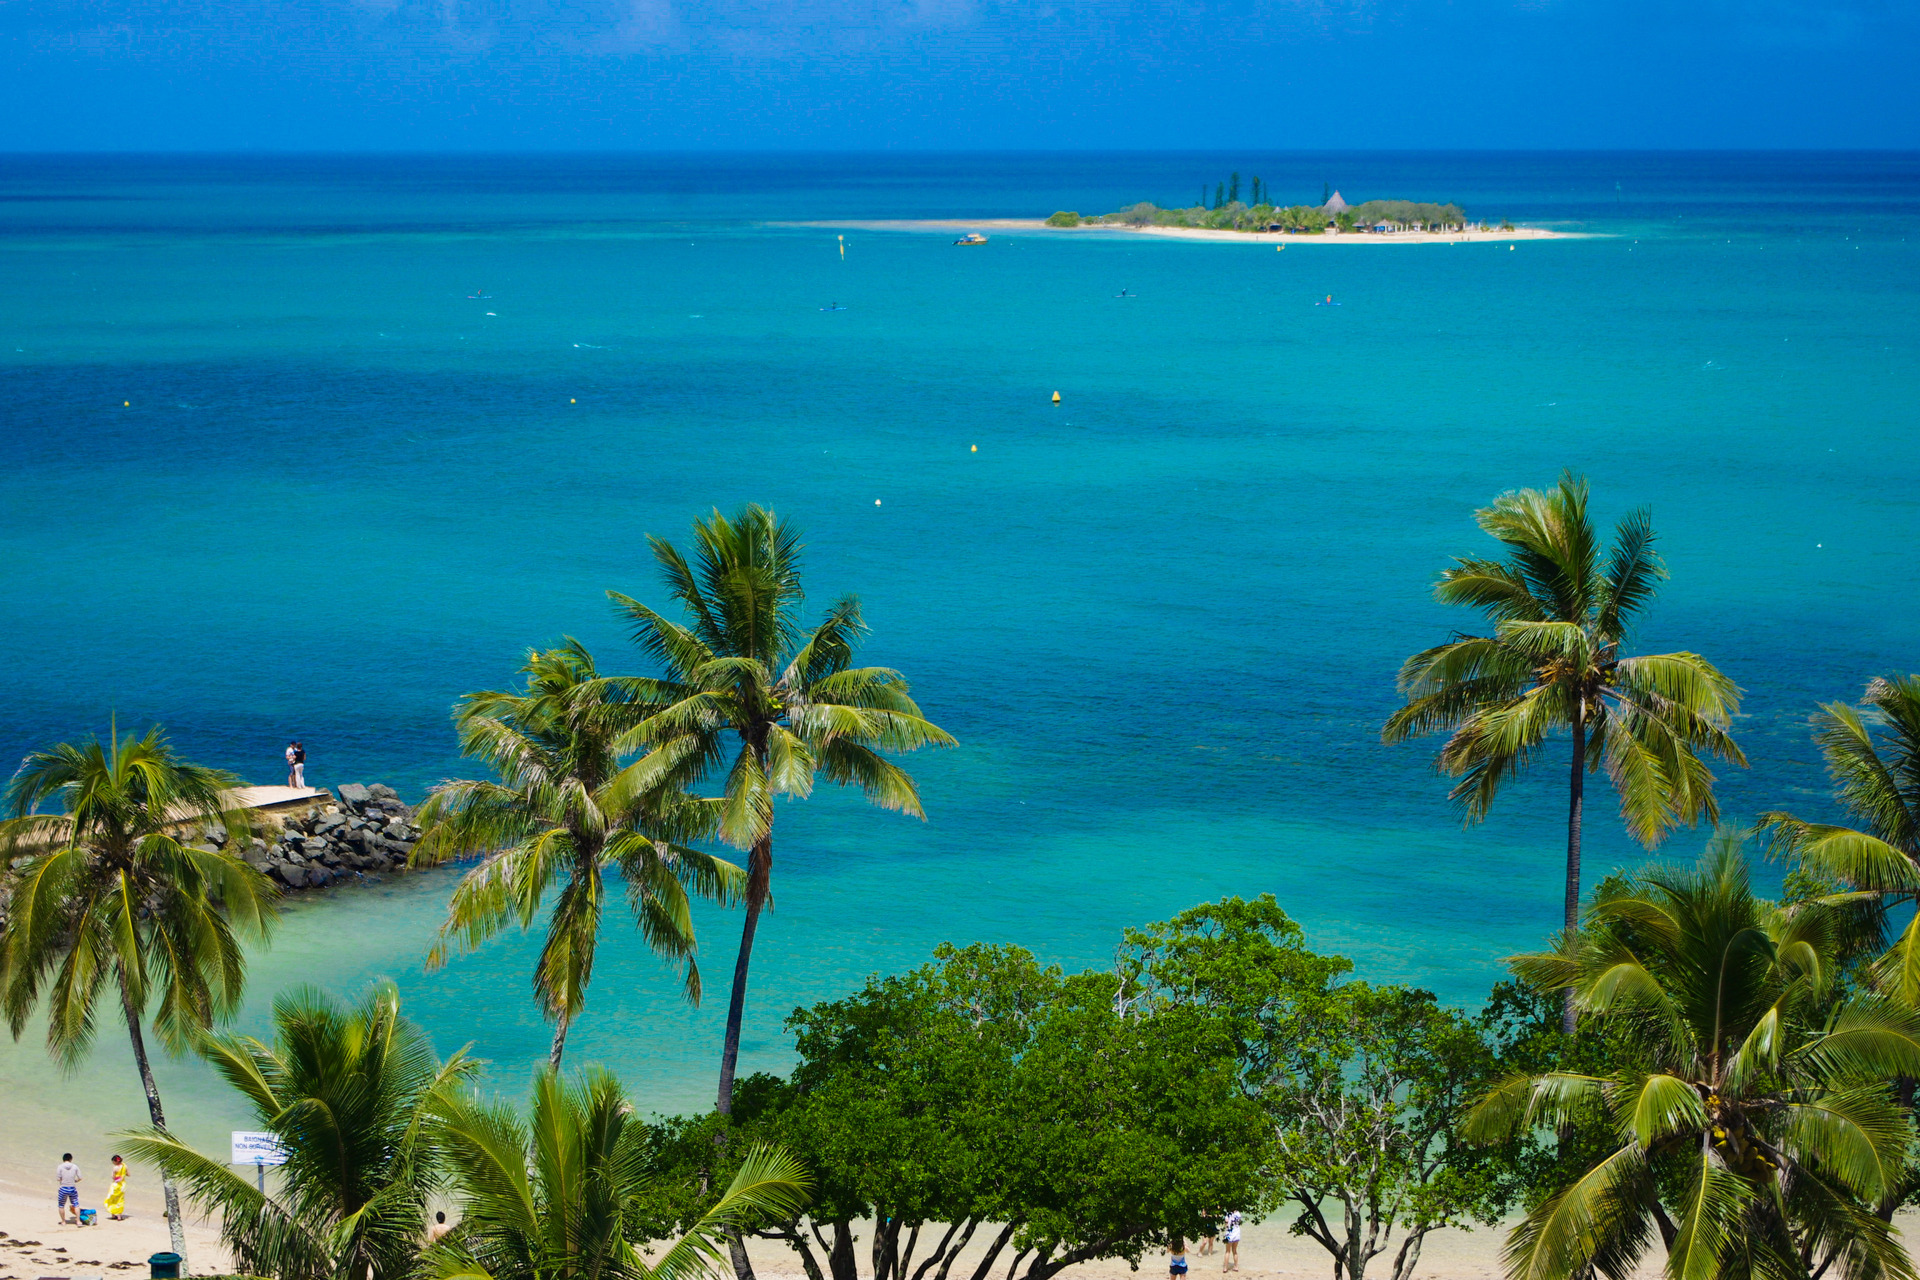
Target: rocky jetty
(368,831)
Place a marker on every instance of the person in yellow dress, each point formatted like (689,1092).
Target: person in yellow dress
(116,1201)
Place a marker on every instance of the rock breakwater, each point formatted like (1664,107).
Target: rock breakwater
(366,831)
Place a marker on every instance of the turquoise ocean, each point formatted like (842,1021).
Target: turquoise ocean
(306,447)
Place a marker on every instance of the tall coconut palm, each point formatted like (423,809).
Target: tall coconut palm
(563,811)
(1560,618)
(112,892)
(749,689)
(1756,1132)
(562,1195)
(1878,783)
(350,1093)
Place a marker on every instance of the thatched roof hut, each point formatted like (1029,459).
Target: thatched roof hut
(1336,204)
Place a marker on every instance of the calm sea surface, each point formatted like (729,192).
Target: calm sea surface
(268,468)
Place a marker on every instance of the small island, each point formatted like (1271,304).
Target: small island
(1226,215)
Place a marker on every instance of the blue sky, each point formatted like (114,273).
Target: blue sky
(966,74)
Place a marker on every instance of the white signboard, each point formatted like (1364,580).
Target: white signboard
(257,1148)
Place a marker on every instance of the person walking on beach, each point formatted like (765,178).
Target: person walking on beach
(116,1202)
(68,1176)
(1176,1259)
(1231,1260)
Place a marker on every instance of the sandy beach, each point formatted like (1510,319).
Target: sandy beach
(1267,239)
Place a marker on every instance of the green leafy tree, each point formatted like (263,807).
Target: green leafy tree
(113,893)
(563,812)
(1360,1084)
(986,1100)
(565,1194)
(1754,1132)
(350,1093)
(1560,618)
(749,691)
(899,1099)
(1877,781)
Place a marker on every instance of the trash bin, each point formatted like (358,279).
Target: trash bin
(164,1266)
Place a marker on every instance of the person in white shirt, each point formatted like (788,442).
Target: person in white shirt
(68,1176)
(1231,1238)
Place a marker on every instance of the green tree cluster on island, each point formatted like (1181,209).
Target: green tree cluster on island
(1396,215)
(1687,1066)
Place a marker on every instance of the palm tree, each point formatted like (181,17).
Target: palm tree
(350,1094)
(563,1196)
(1878,783)
(1560,617)
(1754,1128)
(112,892)
(744,668)
(563,811)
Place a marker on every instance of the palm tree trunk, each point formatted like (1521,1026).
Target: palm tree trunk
(1578,781)
(175,1227)
(559,1042)
(759,871)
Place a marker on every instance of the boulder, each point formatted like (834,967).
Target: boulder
(381,791)
(354,795)
(290,876)
(329,821)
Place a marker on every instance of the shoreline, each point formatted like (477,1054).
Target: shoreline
(1263,238)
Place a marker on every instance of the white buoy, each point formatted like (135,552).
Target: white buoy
(876,502)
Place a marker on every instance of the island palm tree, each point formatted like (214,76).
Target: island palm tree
(1560,618)
(113,892)
(1756,1135)
(351,1095)
(748,689)
(1878,783)
(562,811)
(557,1197)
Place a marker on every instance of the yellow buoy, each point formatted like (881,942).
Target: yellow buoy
(975,449)
(573,400)
(128,404)
(1279,248)
(1056,397)
(1509,248)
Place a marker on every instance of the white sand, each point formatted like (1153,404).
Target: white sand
(1268,239)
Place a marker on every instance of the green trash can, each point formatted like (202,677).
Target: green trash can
(164,1266)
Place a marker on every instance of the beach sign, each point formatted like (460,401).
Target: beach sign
(257,1149)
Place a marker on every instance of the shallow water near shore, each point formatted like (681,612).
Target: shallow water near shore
(270,469)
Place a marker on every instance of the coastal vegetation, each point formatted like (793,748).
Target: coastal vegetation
(351,1095)
(1876,865)
(1560,615)
(111,895)
(1232,215)
(1755,1129)
(747,688)
(1686,1064)
(562,812)
(565,1194)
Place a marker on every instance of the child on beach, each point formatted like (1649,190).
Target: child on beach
(68,1176)
(116,1202)
(1177,1259)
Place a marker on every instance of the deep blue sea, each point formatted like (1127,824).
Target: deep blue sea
(269,468)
